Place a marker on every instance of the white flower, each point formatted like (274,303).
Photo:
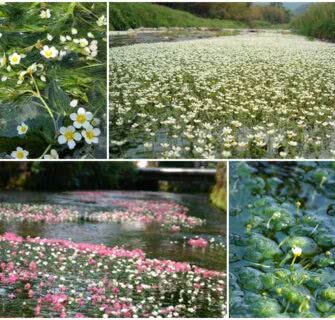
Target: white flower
(3,61)
(91,134)
(69,136)
(95,122)
(22,129)
(81,118)
(45,14)
(14,58)
(297,251)
(293,143)
(62,39)
(20,153)
(102,21)
(4,78)
(49,53)
(74,103)
(49,37)
(83,42)
(90,35)
(53,155)
(74,31)
(43,79)
(283,154)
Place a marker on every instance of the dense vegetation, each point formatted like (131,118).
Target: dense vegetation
(318,21)
(53,80)
(242,11)
(49,176)
(282,240)
(124,16)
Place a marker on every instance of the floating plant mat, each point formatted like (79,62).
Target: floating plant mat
(142,221)
(52,80)
(259,95)
(282,243)
(58,278)
(164,213)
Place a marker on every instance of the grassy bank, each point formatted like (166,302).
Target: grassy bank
(317,22)
(218,196)
(124,16)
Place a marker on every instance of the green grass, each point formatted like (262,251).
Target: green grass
(317,22)
(218,197)
(124,16)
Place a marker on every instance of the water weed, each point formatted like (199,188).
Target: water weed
(282,239)
(59,278)
(53,80)
(267,94)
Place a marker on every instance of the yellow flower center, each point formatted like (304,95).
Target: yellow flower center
(48,53)
(15,59)
(81,118)
(90,134)
(20,154)
(69,135)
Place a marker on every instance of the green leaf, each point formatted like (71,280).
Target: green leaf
(57,98)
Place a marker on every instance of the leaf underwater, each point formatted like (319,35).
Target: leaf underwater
(74,77)
(266,280)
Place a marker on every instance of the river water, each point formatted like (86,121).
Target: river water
(155,242)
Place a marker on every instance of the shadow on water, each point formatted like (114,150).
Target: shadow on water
(124,38)
(154,241)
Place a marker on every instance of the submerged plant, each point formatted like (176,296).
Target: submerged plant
(282,245)
(52,80)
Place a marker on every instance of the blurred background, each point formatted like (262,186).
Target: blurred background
(170,176)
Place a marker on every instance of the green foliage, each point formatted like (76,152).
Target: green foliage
(246,12)
(124,16)
(317,22)
(53,176)
(40,87)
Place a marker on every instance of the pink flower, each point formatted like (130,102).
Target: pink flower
(79,315)
(198,243)
(37,310)
(175,228)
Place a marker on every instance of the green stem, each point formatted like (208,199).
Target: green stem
(39,96)
(45,151)
(293,260)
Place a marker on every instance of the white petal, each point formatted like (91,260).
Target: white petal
(97,132)
(77,124)
(61,140)
(89,116)
(73,116)
(62,130)
(81,110)
(71,144)
(77,136)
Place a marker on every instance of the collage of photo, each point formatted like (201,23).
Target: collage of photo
(167,159)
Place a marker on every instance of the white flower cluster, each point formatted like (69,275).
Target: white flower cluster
(267,94)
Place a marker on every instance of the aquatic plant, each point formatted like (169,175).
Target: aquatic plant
(282,239)
(258,95)
(165,214)
(58,278)
(52,80)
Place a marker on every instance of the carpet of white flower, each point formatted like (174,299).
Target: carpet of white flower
(261,95)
